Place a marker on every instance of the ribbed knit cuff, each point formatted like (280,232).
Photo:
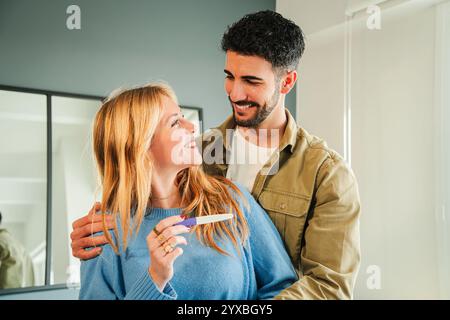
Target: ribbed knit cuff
(145,289)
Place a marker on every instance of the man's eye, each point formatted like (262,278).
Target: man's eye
(175,123)
(229,77)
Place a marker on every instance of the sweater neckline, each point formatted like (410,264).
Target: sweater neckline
(161,213)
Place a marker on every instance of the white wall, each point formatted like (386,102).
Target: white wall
(442,144)
(321,87)
(392,134)
(392,127)
(313,16)
(322,62)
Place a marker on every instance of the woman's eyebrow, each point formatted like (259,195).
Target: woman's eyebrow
(171,116)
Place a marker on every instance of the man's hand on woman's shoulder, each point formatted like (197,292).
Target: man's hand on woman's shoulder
(82,235)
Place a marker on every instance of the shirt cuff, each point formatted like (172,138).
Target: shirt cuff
(145,289)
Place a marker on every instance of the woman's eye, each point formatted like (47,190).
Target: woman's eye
(175,123)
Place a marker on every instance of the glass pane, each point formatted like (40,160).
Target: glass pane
(395,152)
(193,115)
(23,185)
(374,83)
(74,183)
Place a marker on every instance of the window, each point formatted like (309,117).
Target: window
(48,180)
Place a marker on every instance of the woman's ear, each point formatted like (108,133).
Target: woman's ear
(288,81)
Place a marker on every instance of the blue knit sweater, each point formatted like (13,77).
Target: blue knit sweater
(201,273)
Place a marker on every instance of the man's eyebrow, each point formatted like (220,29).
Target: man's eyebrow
(251,78)
(228,72)
(243,77)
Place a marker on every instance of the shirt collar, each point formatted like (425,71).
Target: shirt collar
(289,138)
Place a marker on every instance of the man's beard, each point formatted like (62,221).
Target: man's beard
(262,112)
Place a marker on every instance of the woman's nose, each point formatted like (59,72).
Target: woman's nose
(189,126)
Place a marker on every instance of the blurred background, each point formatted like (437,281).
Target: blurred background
(374,82)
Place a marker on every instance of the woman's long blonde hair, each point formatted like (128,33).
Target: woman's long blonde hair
(122,134)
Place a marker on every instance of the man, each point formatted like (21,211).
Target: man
(16,268)
(307,189)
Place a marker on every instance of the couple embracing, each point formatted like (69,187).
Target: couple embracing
(172,224)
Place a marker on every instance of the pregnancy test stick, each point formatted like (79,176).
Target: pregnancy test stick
(205,219)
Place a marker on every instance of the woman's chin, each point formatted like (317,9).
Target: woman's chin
(189,162)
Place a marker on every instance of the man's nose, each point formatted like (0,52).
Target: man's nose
(237,92)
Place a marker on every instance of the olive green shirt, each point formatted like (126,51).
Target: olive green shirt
(311,195)
(16,268)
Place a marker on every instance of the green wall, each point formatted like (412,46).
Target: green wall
(123,43)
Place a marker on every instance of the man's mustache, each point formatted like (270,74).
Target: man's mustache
(243,103)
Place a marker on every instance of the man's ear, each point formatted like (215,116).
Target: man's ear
(288,81)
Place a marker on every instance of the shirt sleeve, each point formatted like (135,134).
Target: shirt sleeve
(102,279)
(4,251)
(272,265)
(330,258)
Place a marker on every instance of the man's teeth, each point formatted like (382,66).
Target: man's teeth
(243,107)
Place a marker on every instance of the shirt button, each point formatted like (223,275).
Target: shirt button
(283,206)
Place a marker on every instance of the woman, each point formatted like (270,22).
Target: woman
(152,179)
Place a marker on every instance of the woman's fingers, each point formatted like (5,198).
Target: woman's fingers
(171,232)
(172,256)
(160,229)
(167,222)
(155,241)
(174,241)
(162,245)
(161,257)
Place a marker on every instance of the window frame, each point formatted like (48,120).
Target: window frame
(48,232)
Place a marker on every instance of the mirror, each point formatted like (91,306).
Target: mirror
(73,179)
(38,207)
(23,189)
(194,115)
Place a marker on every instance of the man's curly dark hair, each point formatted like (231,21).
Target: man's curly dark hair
(269,35)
